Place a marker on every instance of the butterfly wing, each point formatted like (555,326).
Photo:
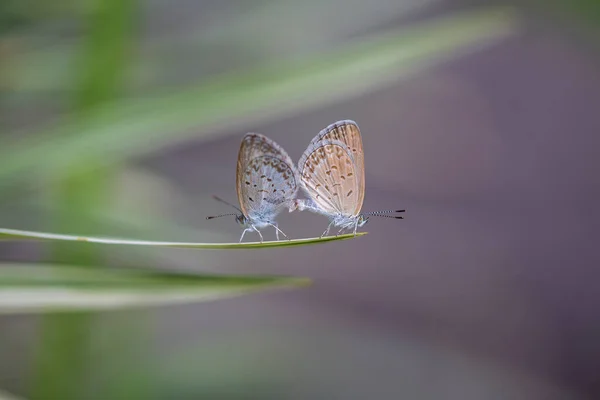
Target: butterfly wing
(330,178)
(347,132)
(266,178)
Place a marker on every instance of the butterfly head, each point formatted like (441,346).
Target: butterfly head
(362,220)
(241,219)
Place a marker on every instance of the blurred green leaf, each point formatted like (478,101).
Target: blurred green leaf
(6,396)
(14,234)
(16,14)
(133,127)
(588,10)
(101,62)
(55,288)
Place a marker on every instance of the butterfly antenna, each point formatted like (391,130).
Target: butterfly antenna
(219,216)
(389,216)
(225,202)
(384,213)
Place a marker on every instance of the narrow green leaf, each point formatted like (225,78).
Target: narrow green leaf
(7,396)
(60,368)
(38,288)
(14,234)
(133,127)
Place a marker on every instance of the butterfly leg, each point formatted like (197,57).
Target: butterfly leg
(243,233)
(278,231)
(259,234)
(327,230)
(340,231)
(355,227)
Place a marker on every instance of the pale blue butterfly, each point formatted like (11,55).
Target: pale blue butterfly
(267,182)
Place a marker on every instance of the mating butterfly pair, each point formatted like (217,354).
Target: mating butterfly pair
(331,172)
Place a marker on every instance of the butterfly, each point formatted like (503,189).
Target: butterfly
(266,182)
(332,175)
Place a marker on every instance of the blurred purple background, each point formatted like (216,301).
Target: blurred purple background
(487,290)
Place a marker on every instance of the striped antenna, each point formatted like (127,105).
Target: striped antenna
(219,216)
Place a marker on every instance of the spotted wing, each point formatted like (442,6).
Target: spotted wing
(266,178)
(330,178)
(347,132)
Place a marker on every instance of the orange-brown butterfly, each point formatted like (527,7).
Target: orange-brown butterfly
(332,174)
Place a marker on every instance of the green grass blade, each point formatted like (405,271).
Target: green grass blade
(138,126)
(14,234)
(6,396)
(26,288)
(60,369)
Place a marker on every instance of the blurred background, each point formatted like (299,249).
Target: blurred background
(123,117)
